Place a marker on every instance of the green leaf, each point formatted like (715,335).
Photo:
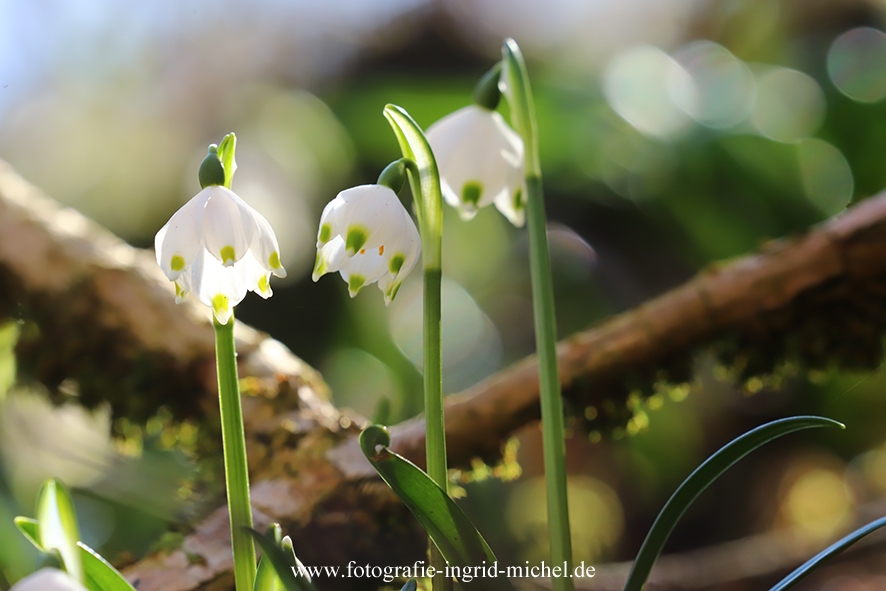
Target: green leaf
(700,479)
(281,558)
(266,578)
(99,575)
(458,540)
(57,525)
(29,529)
(226,154)
(829,552)
(425,185)
(410,585)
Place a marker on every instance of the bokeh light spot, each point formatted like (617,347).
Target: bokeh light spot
(857,64)
(645,85)
(724,85)
(825,174)
(790,105)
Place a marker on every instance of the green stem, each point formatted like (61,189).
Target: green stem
(424,180)
(234,444)
(523,114)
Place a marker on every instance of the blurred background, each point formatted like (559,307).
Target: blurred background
(674,133)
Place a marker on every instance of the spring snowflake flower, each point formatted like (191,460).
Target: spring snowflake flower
(367,235)
(218,248)
(48,579)
(480,159)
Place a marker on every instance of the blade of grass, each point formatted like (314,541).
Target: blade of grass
(810,565)
(700,479)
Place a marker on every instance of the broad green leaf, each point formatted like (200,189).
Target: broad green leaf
(832,550)
(453,533)
(57,525)
(282,559)
(29,529)
(700,479)
(99,575)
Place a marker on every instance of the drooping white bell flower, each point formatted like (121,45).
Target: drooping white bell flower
(480,159)
(367,235)
(218,248)
(48,579)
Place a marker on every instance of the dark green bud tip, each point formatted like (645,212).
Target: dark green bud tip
(486,93)
(211,170)
(394,175)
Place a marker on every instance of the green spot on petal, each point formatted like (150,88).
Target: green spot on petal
(394,289)
(355,283)
(325,233)
(263,284)
(228,254)
(179,292)
(274,260)
(220,303)
(471,192)
(177,263)
(355,238)
(319,266)
(518,199)
(396,263)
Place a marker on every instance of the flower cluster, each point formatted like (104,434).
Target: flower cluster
(218,248)
(481,162)
(367,235)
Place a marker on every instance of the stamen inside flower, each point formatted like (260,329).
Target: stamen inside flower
(356,238)
(228,255)
(381,250)
(471,192)
(177,263)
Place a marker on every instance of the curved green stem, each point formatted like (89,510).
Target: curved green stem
(234,444)
(519,95)
(424,180)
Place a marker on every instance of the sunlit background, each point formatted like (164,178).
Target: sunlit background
(673,133)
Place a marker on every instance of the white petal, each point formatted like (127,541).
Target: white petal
(264,246)
(219,287)
(256,275)
(179,241)
(48,579)
(327,221)
(228,225)
(363,269)
(366,217)
(477,155)
(330,258)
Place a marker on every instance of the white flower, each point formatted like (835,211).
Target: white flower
(480,160)
(367,235)
(218,247)
(48,579)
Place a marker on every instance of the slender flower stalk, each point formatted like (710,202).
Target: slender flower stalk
(218,248)
(424,180)
(515,86)
(234,444)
